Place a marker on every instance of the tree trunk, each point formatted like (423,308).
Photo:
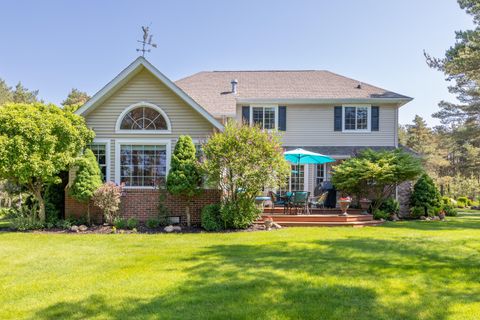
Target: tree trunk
(41,204)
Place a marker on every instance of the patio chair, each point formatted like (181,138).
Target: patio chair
(300,201)
(287,201)
(319,201)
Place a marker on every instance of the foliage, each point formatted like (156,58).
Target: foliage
(417,212)
(18,95)
(107,198)
(449,210)
(184,178)
(211,218)
(120,223)
(425,194)
(446,201)
(152,223)
(24,223)
(463,201)
(37,142)
(239,214)
(75,98)
(88,178)
(241,161)
(381,214)
(5,92)
(132,223)
(391,205)
(377,172)
(163,211)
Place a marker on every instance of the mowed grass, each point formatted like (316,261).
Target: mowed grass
(405,270)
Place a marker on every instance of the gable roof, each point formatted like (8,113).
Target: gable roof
(212,89)
(128,73)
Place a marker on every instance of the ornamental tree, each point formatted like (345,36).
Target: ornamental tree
(107,198)
(242,161)
(425,194)
(375,172)
(37,142)
(88,178)
(184,178)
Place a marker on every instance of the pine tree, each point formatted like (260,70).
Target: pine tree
(75,99)
(184,178)
(23,95)
(87,180)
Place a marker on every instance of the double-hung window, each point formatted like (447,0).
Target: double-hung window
(356,118)
(100,152)
(320,173)
(265,117)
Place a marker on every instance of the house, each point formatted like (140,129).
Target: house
(139,115)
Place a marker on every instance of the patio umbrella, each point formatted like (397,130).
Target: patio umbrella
(301,156)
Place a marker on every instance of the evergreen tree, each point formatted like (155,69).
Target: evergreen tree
(88,179)
(5,92)
(23,95)
(425,194)
(184,178)
(75,99)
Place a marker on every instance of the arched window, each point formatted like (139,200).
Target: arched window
(143,117)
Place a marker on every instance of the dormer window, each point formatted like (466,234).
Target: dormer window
(143,117)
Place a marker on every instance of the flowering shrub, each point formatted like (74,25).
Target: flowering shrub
(107,198)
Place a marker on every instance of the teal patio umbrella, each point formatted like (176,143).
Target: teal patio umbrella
(301,156)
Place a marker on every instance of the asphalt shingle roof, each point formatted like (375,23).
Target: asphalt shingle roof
(212,89)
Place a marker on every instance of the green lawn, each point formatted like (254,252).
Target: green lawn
(405,270)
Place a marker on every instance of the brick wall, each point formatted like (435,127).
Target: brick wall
(142,204)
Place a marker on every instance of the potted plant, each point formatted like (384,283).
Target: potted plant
(268,221)
(344,203)
(365,205)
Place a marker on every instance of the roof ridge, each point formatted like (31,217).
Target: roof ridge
(273,70)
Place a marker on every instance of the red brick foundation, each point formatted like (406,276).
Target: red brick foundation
(142,204)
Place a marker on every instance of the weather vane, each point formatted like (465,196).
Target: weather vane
(147,41)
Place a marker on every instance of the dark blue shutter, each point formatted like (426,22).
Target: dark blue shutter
(282,118)
(375,119)
(337,121)
(246,115)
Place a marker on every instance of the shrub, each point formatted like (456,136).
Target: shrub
(460,205)
(391,205)
(417,212)
(446,200)
(239,214)
(211,218)
(120,223)
(132,223)
(450,211)
(107,198)
(63,224)
(463,201)
(434,211)
(380,214)
(26,223)
(152,223)
(8,213)
(425,195)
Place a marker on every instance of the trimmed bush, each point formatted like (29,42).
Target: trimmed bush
(120,223)
(380,214)
(211,218)
(152,223)
(239,214)
(132,223)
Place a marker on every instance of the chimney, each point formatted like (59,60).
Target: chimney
(234,83)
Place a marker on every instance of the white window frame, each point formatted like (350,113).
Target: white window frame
(369,118)
(264,106)
(148,105)
(108,150)
(141,141)
(324,165)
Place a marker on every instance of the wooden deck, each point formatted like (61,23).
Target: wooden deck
(320,218)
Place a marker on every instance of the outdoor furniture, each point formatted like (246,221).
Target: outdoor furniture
(300,201)
(260,200)
(286,199)
(319,201)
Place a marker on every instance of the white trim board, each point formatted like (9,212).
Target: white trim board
(141,141)
(127,73)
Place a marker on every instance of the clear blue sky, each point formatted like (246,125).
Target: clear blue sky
(54,46)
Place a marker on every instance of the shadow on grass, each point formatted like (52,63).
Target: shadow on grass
(321,279)
(464,221)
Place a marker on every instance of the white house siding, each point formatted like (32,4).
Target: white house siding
(145,87)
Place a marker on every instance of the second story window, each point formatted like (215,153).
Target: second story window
(265,117)
(356,118)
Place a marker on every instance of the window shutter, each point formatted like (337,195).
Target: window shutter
(337,121)
(282,118)
(375,126)
(246,114)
